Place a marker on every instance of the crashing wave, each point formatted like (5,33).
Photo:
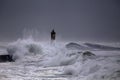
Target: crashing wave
(99,68)
(84,65)
(21,48)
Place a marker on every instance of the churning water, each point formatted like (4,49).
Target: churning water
(35,60)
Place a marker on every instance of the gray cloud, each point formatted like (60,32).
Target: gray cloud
(72,19)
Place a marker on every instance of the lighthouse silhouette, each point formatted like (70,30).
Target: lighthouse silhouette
(53,35)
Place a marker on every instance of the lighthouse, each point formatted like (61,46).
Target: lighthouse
(53,35)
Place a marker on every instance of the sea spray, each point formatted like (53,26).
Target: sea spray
(80,65)
(20,48)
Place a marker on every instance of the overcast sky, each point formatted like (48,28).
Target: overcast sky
(71,19)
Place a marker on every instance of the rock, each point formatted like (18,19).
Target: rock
(6,58)
(88,55)
(101,47)
(75,46)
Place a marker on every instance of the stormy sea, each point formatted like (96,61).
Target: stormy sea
(36,60)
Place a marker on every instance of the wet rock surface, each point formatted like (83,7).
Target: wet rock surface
(6,58)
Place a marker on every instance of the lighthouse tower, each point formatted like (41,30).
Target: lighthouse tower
(53,36)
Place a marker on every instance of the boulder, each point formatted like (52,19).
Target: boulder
(75,46)
(88,55)
(6,58)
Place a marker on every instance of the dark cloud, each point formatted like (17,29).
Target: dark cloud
(72,19)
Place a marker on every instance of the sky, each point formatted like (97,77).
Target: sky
(97,20)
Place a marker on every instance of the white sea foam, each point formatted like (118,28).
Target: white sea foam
(103,65)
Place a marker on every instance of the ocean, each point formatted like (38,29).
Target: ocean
(36,60)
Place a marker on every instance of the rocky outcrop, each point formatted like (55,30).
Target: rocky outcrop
(6,58)
(88,55)
(101,47)
(75,46)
